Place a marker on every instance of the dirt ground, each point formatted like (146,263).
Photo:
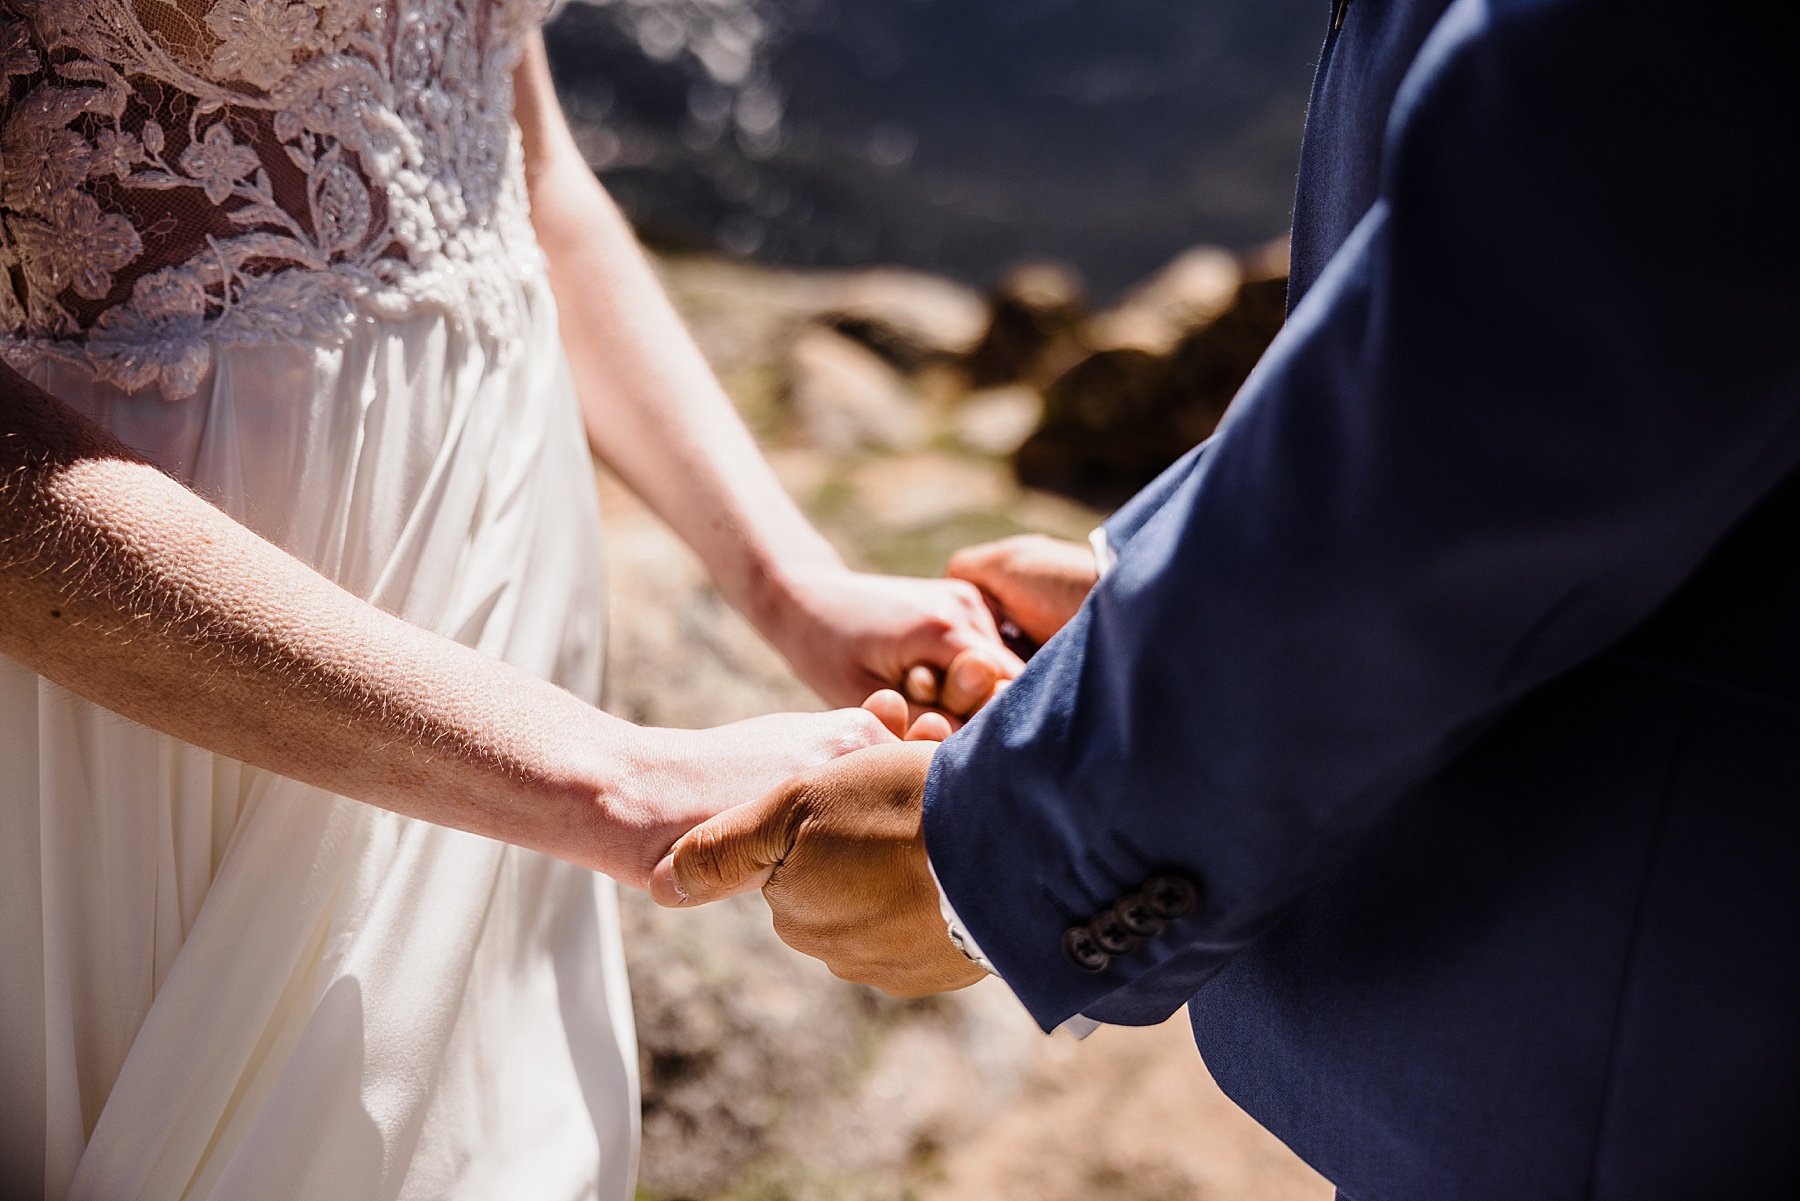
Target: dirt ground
(1126,1115)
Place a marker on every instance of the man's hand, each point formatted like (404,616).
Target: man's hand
(840,855)
(680,778)
(1038,582)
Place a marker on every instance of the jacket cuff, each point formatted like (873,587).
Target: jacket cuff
(1077,1027)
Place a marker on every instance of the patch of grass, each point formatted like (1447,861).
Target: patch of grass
(924,551)
(789,1180)
(833,504)
(756,390)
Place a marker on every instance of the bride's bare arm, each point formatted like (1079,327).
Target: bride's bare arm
(658,417)
(125,587)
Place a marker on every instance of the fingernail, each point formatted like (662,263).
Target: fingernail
(921,684)
(973,675)
(666,869)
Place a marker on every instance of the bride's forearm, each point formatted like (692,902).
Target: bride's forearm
(657,416)
(125,587)
(655,413)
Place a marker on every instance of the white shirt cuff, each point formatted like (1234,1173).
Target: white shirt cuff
(1105,557)
(1079,1026)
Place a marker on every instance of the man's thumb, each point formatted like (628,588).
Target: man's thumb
(732,853)
(992,567)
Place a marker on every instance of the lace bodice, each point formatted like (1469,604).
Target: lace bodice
(175,174)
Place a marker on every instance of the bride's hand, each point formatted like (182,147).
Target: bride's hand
(848,634)
(896,714)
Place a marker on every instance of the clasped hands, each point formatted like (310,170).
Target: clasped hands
(839,850)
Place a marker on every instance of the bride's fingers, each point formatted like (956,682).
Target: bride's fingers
(921,684)
(915,712)
(969,682)
(914,723)
(890,707)
(931,727)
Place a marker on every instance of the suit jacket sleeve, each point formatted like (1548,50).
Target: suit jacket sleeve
(1549,370)
(1122,526)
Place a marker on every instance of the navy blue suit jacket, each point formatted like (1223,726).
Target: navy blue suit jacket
(1460,671)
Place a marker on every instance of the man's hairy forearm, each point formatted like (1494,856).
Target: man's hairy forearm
(123,586)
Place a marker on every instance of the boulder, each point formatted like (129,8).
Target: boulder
(911,319)
(1191,292)
(1210,363)
(996,421)
(908,493)
(1109,422)
(845,397)
(1034,327)
(1160,370)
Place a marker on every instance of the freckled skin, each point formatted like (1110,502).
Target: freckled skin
(123,586)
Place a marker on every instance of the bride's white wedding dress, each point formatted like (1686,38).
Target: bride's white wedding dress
(281,247)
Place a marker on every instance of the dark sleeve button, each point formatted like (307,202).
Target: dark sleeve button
(1134,913)
(1170,897)
(1111,934)
(1083,950)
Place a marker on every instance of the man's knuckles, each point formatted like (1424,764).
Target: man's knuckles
(829,939)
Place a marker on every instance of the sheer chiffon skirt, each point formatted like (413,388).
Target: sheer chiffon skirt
(219,983)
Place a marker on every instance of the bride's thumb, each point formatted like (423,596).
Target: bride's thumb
(733,853)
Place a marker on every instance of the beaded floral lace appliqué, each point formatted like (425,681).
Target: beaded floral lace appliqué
(180,174)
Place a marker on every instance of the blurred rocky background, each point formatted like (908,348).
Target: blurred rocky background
(1073,202)
(954,136)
